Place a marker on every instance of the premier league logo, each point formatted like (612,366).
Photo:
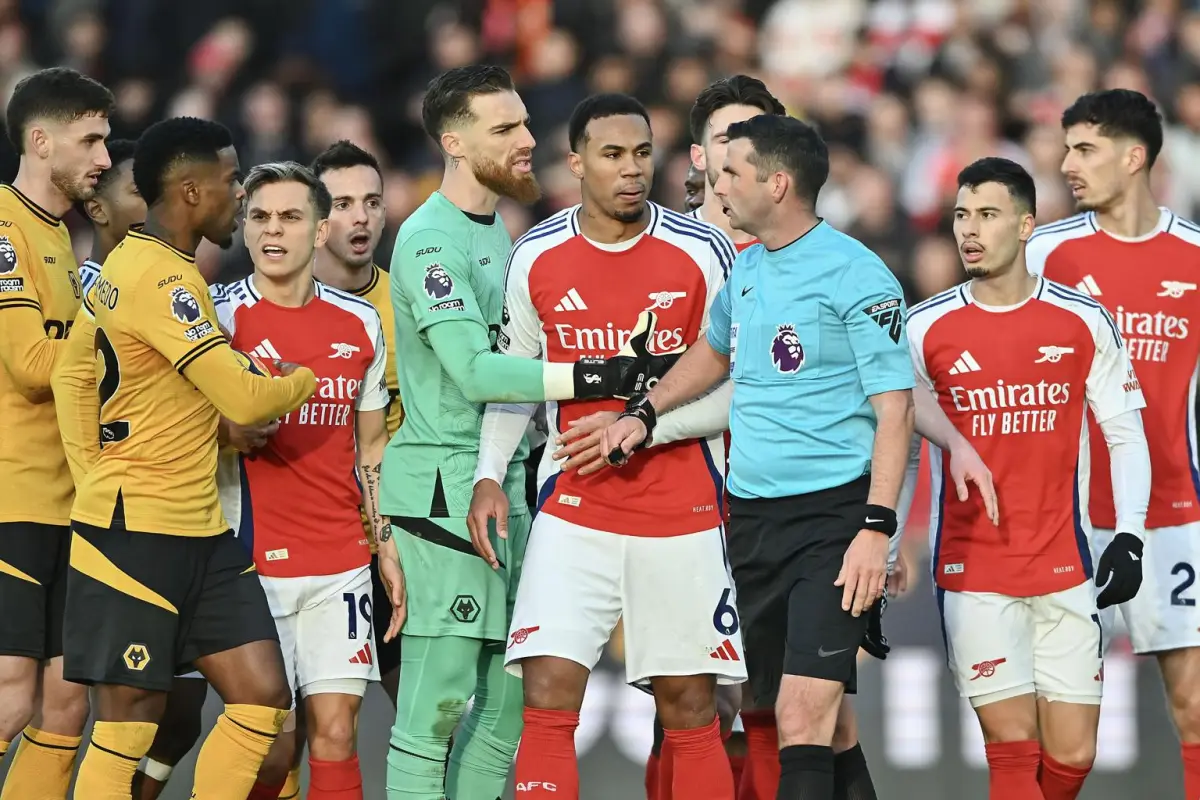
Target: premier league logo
(183,306)
(786,353)
(8,256)
(437,282)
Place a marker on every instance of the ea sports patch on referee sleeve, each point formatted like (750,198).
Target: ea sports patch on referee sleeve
(889,316)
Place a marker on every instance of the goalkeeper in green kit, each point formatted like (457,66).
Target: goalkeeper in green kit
(447,290)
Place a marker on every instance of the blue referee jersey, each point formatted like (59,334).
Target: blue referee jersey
(811,330)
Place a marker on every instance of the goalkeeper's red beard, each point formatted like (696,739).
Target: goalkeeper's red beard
(507,180)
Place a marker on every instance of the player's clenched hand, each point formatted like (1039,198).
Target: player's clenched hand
(285,367)
(245,438)
(966,465)
(620,439)
(488,501)
(1119,570)
(864,571)
(580,443)
(393,580)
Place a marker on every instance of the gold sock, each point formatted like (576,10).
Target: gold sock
(42,766)
(229,760)
(106,772)
(291,789)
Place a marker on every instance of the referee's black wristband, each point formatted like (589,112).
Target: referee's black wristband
(879,518)
(639,406)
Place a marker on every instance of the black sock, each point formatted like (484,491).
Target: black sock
(851,778)
(659,735)
(806,773)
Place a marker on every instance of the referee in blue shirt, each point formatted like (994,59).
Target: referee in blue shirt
(810,328)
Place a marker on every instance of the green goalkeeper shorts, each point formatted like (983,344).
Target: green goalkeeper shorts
(452,591)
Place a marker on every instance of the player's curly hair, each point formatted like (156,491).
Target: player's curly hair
(448,97)
(601,106)
(736,90)
(171,142)
(119,151)
(58,94)
(343,154)
(1120,112)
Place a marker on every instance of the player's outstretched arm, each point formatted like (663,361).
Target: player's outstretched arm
(371,437)
(76,400)
(26,350)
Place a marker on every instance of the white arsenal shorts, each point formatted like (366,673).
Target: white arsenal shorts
(675,595)
(999,646)
(325,631)
(1163,615)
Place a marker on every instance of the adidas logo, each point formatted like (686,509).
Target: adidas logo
(267,350)
(965,363)
(726,652)
(363,656)
(1088,286)
(571,301)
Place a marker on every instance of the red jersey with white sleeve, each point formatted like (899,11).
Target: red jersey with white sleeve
(567,297)
(1149,285)
(299,501)
(1016,382)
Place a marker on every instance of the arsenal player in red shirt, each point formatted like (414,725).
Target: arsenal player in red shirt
(1142,262)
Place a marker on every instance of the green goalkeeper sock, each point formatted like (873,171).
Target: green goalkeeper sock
(439,677)
(487,741)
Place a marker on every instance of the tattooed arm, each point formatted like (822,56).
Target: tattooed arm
(370,430)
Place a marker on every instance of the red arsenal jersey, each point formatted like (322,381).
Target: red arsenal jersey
(567,297)
(297,500)
(1016,382)
(1149,285)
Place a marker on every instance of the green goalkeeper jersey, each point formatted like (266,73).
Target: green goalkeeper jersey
(448,295)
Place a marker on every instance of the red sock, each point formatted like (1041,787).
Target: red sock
(652,776)
(334,780)
(737,764)
(1060,781)
(263,792)
(703,768)
(546,763)
(760,778)
(1191,770)
(1013,770)
(666,771)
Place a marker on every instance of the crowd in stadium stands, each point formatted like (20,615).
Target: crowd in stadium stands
(905,91)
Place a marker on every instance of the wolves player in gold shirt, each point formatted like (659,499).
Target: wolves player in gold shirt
(156,578)
(58,121)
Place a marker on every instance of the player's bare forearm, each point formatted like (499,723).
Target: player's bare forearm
(27,353)
(895,420)
(696,371)
(931,422)
(370,432)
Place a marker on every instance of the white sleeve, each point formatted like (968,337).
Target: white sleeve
(504,424)
(1112,386)
(373,395)
(705,416)
(1130,463)
(224,306)
(1037,250)
(908,489)
(916,349)
(722,253)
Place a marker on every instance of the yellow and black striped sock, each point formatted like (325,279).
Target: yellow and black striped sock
(42,766)
(106,772)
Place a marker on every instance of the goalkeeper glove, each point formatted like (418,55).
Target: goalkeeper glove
(633,370)
(874,642)
(1119,570)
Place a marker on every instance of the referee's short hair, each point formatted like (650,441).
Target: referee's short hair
(785,144)
(1008,174)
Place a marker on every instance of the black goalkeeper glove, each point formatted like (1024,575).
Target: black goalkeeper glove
(633,370)
(1119,570)
(874,642)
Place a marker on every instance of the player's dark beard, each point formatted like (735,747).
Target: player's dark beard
(500,179)
(977,272)
(74,189)
(632,215)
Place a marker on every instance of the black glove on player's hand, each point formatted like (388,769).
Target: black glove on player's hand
(633,370)
(874,642)
(1119,571)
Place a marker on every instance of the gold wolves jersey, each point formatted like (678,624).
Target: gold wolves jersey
(157,343)
(378,292)
(39,295)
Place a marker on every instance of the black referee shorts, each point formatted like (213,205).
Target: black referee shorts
(786,553)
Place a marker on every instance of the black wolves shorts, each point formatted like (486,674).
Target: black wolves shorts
(381,617)
(33,588)
(142,606)
(786,553)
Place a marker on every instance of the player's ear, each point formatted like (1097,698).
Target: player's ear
(95,211)
(37,141)
(189,190)
(1027,225)
(322,232)
(575,164)
(1135,157)
(452,144)
(699,158)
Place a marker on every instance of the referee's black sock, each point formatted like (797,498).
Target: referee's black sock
(851,778)
(806,773)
